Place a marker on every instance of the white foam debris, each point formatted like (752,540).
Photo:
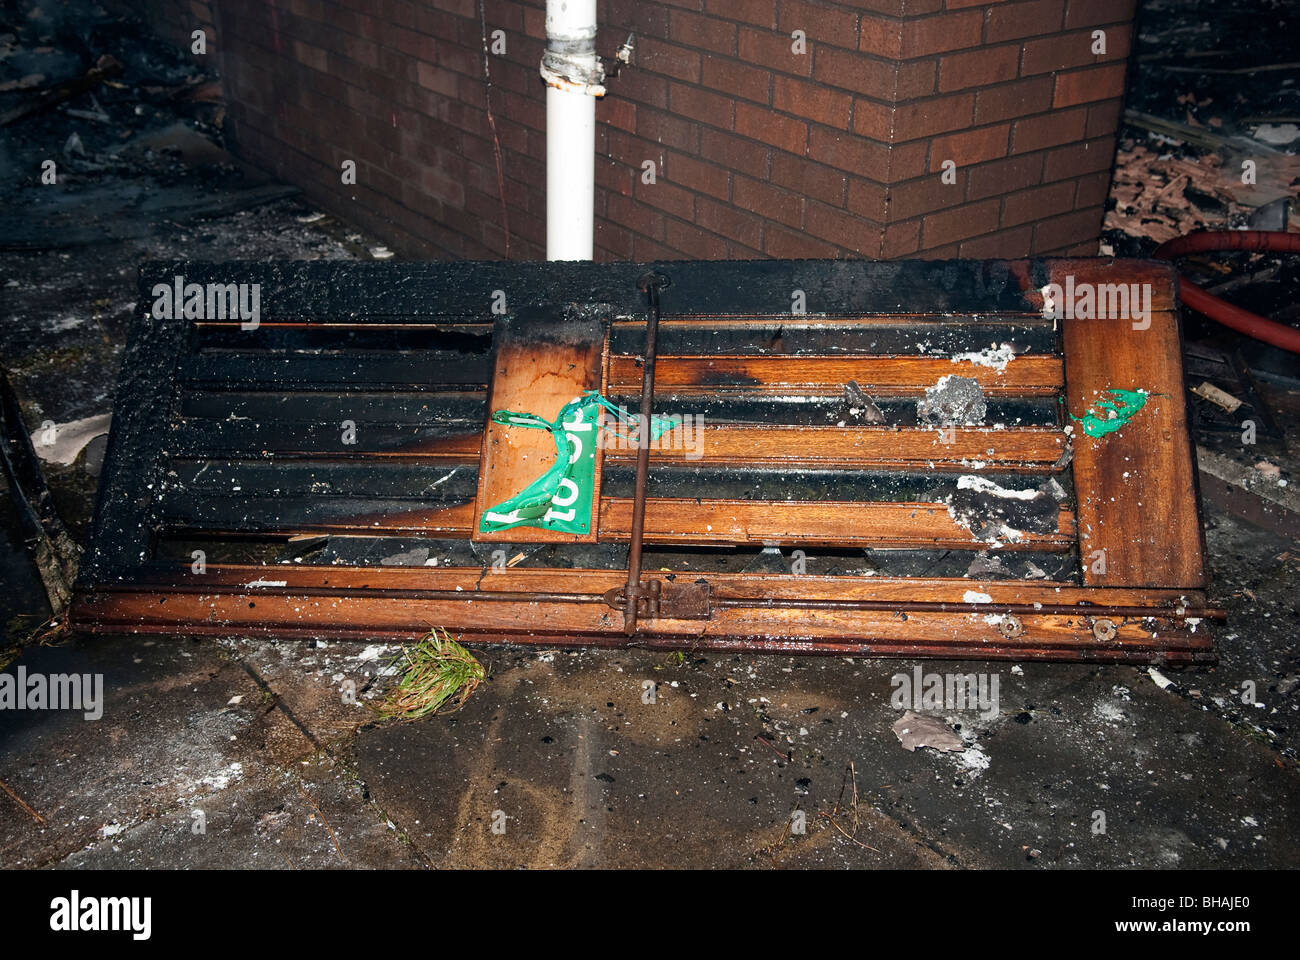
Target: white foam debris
(267,583)
(216,781)
(1276,133)
(969,481)
(996,357)
(61,443)
(66,323)
(1161,681)
(972,759)
(974,596)
(1110,712)
(1010,534)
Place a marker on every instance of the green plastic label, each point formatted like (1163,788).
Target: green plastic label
(561,498)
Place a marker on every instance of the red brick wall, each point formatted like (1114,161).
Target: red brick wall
(758,150)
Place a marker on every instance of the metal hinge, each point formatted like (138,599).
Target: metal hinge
(667,600)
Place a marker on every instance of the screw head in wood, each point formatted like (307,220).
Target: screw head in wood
(1011,627)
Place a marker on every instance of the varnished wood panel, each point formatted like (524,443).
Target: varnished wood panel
(1025,376)
(543,360)
(917,525)
(759,587)
(864,448)
(1135,488)
(875,632)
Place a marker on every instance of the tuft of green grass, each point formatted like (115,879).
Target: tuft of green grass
(439,676)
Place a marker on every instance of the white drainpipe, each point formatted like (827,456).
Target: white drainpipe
(574,78)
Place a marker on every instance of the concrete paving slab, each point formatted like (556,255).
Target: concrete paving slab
(562,750)
(167,734)
(311,818)
(563,757)
(185,728)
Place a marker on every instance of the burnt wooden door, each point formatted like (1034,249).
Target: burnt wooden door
(882,458)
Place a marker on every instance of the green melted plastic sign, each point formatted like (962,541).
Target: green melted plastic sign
(561,498)
(1120,409)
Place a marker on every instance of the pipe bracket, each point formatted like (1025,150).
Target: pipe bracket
(574,72)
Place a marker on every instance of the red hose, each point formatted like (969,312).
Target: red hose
(1235,318)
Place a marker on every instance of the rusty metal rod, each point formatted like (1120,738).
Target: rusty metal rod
(651,283)
(529,596)
(939,606)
